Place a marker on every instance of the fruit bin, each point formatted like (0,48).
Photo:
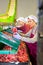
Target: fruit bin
(9,51)
(7,39)
(21,56)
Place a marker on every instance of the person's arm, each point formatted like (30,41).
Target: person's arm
(25,35)
(35,30)
(30,40)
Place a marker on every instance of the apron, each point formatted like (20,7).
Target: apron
(32,48)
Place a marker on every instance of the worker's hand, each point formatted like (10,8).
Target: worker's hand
(14,29)
(16,35)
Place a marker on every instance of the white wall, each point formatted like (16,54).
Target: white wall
(3,6)
(26,7)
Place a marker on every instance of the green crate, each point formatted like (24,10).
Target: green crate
(13,51)
(13,42)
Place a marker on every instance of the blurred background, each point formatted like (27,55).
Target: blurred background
(26,7)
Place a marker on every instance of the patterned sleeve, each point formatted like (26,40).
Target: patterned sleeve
(30,40)
(35,29)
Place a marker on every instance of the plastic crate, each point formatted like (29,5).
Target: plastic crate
(13,51)
(10,41)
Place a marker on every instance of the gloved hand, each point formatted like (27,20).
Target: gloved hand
(16,35)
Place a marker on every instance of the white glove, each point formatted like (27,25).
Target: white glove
(17,36)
